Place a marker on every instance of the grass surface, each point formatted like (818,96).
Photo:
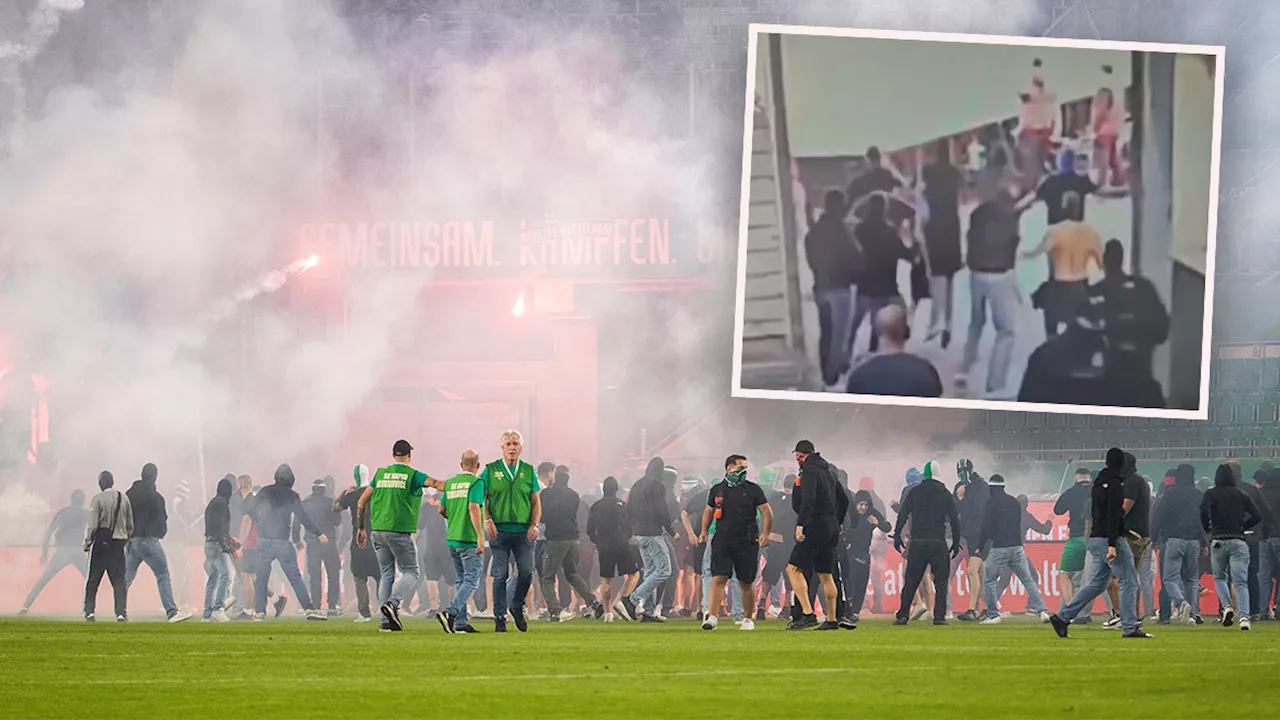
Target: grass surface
(291,668)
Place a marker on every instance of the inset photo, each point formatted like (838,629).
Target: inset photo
(978,222)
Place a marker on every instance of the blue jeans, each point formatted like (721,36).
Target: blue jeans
(735,592)
(282,551)
(835,307)
(657,568)
(395,549)
(1015,559)
(217,566)
(1230,560)
(467,565)
(1123,570)
(148,550)
(1001,291)
(1268,569)
(1181,560)
(505,547)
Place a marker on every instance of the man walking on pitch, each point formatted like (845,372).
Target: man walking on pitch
(363,560)
(929,507)
(1182,541)
(109,527)
(394,499)
(735,549)
(151,524)
(219,547)
(322,558)
(1002,526)
(513,497)
(817,536)
(463,506)
(1110,553)
(67,530)
(561,553)
(609,529)
(1075,504)
(650,515)
(1225,514)
(274,511)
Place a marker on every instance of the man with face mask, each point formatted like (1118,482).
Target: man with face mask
(733,504)
(151,524)
(817,534)
(322,558)
(67,527)
(219,547)
(930,508)
(865,523)
(1002,526)
(274,510)
(364,561)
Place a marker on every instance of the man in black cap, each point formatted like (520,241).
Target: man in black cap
(321,557)
(817,536)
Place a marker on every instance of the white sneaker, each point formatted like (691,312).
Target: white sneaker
(710,623)
(1244,623)
(991,620)
(773,613)
(1044,616)
(1111,623)
(180,616)
(608,617)
(749,624)
(208,620)
(363,619)
(919,611)
(220,615)
(739,622)
(951,616)
(1184,614)
(1228,616)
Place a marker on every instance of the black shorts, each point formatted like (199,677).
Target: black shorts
(436,565)
(971,548)
(693,558)
(775,561)
(739,558)
(817,554)
(616,562)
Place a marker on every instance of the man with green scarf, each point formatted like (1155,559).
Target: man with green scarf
(735,549)
(513,497)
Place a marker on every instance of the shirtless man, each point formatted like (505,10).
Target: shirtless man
(1072,246)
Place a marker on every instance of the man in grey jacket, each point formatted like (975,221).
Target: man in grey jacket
(109,527)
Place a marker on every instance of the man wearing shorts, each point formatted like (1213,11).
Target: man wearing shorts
(609,531)
(735,548)
(817,535)
(363,560)
(1075,503)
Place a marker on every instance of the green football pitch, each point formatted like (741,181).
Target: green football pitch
(292,668)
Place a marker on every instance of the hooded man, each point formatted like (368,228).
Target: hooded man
(650,517)
(560,505)
(1137,525)
(972,495)
(609,529)
(1269,563)
(1226,513)
(1110,553)
(820,505)
(67,526)
(930,508)
(364,561)
(322,557)
(879,545)
(151,524)
(219,547)
(1002,527)
(274,511)
(1182,541)
(867,520)
(108,528)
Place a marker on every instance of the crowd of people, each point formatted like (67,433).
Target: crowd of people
(504,541)
(1101,323)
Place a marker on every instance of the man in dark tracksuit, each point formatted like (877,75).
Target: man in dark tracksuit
(560,504)
(150,525)
(930,507)
(67,526)
(274,511)
(817,534)
(321,556)
(107,530)
(864,522)
(1109,551)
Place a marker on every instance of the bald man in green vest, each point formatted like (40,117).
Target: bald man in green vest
(512,495)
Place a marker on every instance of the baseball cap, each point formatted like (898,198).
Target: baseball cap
(401,448)
(806,447)
(318,482)
(996,480)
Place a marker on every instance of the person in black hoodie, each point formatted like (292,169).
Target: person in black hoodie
(150,525)
(930,508)
(1002,526)
(1175,524)
(867,520)
(1269,563)
(560,505)
(321,556)
(1253,537)
(1111,555)
(609,529)
(1226,513)
(274,510)
(650,517)
(817,533)
(219,547)
(972,507)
